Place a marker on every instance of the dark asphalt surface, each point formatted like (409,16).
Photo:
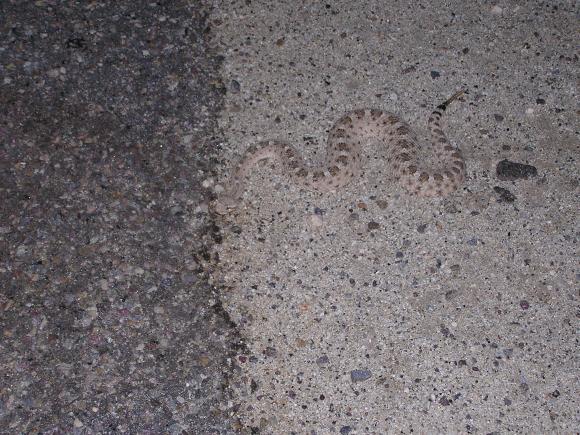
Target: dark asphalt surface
(107,130)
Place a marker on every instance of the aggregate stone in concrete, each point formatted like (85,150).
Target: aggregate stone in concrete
(370,311)
(107,134)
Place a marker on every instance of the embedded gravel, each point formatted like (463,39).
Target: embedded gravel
(107,132)
(368,311)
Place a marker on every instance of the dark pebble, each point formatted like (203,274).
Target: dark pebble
(504,194)
(498,118)
(421,228)
(345,430)
(509,171)
(322,360)
(524,304)
(270,351)
(540,101)
(360,375)
(373,226)
(444,401)
(235,87)
(435,74)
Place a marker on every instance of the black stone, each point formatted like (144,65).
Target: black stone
(509,171)
(504,194)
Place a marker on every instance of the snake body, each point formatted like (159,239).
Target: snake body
(440,176)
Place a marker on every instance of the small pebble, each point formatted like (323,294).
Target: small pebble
(444,401)
(496,10)
(509,171)
(473,242)
(235,87)
(373,226)
(435,74)
(360,375)
(323,360)
(316,220)
(504,194)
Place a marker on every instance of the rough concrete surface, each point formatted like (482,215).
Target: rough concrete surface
(107,132)
(367,311)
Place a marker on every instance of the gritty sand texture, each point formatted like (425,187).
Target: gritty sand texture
(107,125)
(370,311)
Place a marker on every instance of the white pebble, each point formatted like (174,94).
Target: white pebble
(316,220)
(496,10)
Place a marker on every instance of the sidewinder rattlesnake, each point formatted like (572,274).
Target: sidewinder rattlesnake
(343,161)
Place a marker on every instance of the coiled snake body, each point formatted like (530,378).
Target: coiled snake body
(343,162)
